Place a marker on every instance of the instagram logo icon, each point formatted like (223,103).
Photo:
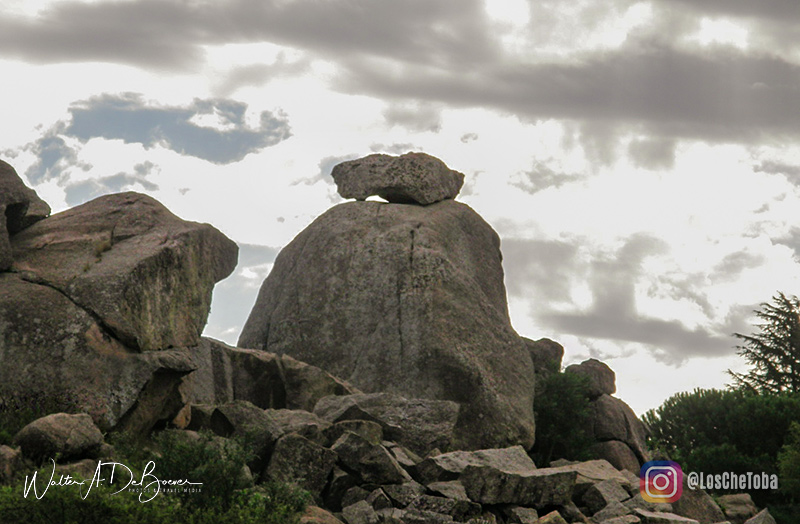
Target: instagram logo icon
(661,481)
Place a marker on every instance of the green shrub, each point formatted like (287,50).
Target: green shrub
(789,463)
(20,408)
(563,419)
(217,463)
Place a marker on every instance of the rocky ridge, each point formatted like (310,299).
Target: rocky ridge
(127,287)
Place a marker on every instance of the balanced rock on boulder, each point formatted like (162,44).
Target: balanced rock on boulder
(413,178)
(404,299)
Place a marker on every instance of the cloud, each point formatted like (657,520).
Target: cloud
(54,157)
(83,191)
(414,117)
(613,314)
(542,177)
(260,74)
(540,269)
(469,137)
(129,118)
(652,153)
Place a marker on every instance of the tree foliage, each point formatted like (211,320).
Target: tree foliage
(715,431)
(563,419)
(789,463)
(774,351)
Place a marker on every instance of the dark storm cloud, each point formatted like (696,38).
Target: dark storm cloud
(652,153)
(129,118)
(791,171)
(85,190)
(260,74)
(721,95)
(163,33)
(785,11)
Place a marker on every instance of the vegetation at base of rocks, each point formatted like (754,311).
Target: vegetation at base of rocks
(222,498)
(563,419)
(20,408)
(789,463)
(774,351)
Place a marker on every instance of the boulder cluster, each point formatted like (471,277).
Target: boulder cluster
(378,368)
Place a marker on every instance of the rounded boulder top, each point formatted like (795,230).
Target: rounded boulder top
(412,178)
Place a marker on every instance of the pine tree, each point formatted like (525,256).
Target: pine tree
(773,352)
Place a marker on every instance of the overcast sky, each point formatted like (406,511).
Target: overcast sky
(639,160)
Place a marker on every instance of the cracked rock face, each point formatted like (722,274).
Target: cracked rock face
(413,178)
(140,271)
(404,299)
(19,208)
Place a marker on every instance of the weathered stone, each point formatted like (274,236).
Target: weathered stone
(405,457)
(459,510)
(145,273)
(298,460)
(698,505)
(59,436)
(618,454)
(353,495)
(305,384)
(452,489)
(637,502)
(200,416)
(254,425)
(20,207)
(10,463)
(360,513)
(626,519)
(416,516)
(341,481)
(317,515)
(373,463)
(373,290)
(60,354)
(82,469)
(404,494)
(301,422)
(615,420)
(535,488)
(763,517)
(379,500)
(420,424)
(372,431)
(554,517)
(599,495)
(572,513)
(449,466)
(413,178)
(612,511)
(256,376)
(601,378)
(651,517)
(521,515)
(546,355)
(737,507)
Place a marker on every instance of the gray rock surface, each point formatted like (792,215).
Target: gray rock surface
(537,488)
(698,505)
(763,517)
(651,517)
(738,507)
(298,460)
(619,454)
(413,178)
(605,492)
(613,419)
(59,436)
(144,273)
(61,353)
(450,466)
(372,290)
(601,378)
(420,424)
(20,207)
(372,463)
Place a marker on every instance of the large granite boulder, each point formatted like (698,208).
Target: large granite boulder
(62,353)
(20,207)
(613,419)
(404,299)
(59,436)
(142,272)
(411,178)
(600,378)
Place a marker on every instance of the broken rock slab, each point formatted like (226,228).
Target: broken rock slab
(20,207)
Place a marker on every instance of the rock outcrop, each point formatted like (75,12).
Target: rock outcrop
(144,273)
(413,178)
(20,207)
(405,299)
